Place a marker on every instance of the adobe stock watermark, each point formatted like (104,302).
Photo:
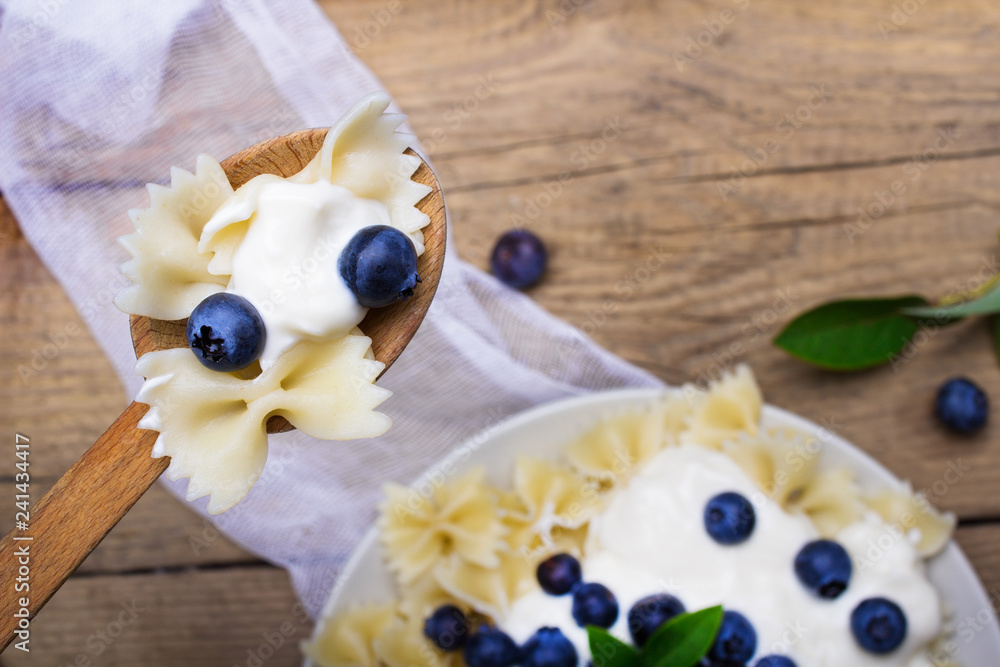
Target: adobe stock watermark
(902,528)
(47,10)
(580,159)
(625,289)
(371,28)
(928,328)
(563,11)
(751,330)
(274,639)
(58,341)
(714,28)
(78,155)
(784,129)
(102,638)
(914,168)
(461,111)
(423,491)
(900,15)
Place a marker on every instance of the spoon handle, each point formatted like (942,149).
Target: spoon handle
(74,516)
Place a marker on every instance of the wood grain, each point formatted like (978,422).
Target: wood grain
(90,499)
(211,618)
(554,88)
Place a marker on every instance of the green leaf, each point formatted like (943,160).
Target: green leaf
(852,334)
(683,640)
(987,304)
(606,650)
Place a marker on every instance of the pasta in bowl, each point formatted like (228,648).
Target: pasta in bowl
(601,479)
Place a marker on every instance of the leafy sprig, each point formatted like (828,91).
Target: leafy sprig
(853,334)
(680,642)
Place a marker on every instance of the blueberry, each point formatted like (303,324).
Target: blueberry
(559,574)
(824,567)
(736,641)
(447,627)
(775,661)
(878,625)
(548,648)
(379,265)
(518,259)
(225,332)
(594,604)
(962,406)
(490,648)
(729,518)
(651,612)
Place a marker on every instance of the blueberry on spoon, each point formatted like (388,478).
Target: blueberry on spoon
(226,332)
(379,265)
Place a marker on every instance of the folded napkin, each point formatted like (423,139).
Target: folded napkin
(99,100)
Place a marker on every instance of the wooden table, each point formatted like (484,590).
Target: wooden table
(618,132)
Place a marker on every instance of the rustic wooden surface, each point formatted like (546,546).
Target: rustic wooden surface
(508,96)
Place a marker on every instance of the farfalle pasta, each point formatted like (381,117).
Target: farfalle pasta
(459,518)
(730,408)
(617,446)
(402,644)
(912,514)
(553,495)
(576,507)
(213,425)
(783,462)
(831,500)
(348,640)
(274,244)
(488,590)
(169,274)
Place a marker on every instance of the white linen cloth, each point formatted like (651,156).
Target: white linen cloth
(97,99)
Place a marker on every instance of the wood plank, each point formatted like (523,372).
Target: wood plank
(556,82)
(211,617)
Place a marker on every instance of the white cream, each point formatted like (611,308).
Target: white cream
(286,265)
(651,539)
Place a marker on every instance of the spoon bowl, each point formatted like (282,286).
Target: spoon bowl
(390,328)
(87,501)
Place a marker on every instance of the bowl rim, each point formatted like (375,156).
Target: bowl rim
(869,470)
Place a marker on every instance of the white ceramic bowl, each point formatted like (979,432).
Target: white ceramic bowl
(542,432)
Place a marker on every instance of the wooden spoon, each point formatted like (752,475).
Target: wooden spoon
(87,502)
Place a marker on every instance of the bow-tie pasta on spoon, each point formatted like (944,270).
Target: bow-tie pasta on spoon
(274,278)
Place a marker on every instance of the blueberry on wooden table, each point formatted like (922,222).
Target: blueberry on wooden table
(962,406)
(519,258)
